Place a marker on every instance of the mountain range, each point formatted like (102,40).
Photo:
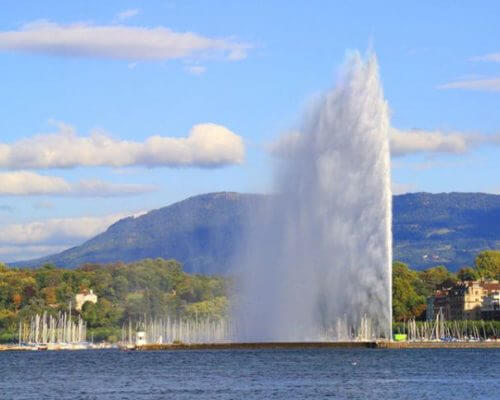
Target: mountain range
(203,232)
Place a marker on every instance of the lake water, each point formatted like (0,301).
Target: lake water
(253,374)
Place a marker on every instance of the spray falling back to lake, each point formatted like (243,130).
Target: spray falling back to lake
(318,261)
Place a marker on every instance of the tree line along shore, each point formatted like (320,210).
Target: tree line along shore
(158,288)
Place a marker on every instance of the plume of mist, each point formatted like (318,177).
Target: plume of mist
(317,264)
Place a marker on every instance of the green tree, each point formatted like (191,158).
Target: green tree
(120,286)
(436,278)
(216,308)
(101,314)
(488,264)
(468,274)
(407,302)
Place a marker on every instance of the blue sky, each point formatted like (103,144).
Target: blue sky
(249,68)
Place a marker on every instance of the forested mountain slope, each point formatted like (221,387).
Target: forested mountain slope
(203,232)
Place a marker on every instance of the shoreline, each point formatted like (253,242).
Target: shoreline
(493,344)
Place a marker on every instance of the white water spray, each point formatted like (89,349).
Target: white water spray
(318,263)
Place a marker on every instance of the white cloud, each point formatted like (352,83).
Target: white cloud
(20,183)
(402,188)
(26,252)
(196,69)
(406,142)
(207,145)
(126,14)
(117,42)
(419,141)
(37,239)
(40,238)
(98,188)
(484,84)
(478,83)
(493,190)
(57,231)
(43,205)
(285,145)
(495,57)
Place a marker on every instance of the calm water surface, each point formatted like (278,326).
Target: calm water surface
(252,374)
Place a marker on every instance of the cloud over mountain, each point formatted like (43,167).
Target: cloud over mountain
(56,231)
(56,234)
(22,183)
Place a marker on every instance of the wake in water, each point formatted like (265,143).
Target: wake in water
(318,262)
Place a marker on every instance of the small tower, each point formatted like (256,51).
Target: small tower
(140,339)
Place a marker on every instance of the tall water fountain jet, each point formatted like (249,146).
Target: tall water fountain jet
(318,262)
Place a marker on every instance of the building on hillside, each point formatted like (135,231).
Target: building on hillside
(464,300)
(490,309)
(84,297)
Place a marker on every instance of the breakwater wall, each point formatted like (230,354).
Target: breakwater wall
(321,345)
(257,346)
